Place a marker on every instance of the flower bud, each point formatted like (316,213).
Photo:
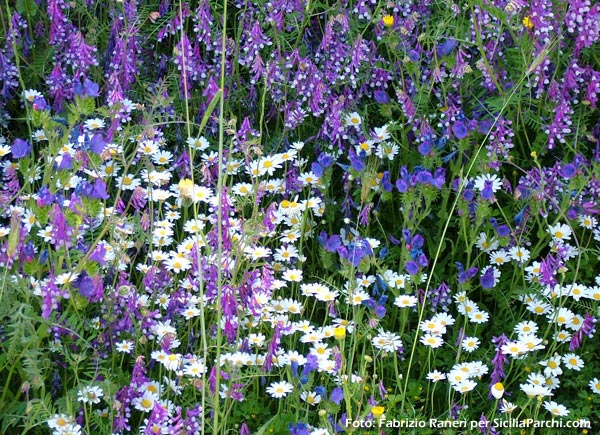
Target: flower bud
(497,390)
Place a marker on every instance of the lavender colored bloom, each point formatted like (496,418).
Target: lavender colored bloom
(40,104)
(298,429)
(487,193)
(424,147)
(45,197)
(356,162)
(99,190)
(412,267)
(381,97)
(503,230)
(561,125)
(96,144)
(98,254)
(312,364)
(244,429)
(445,48)
(488,277)
(465,275)
(273,347)
(455,410)
(86,89)
(60,86)
(356,251)
(20,148)
(439,177)
(9,76)
(337,395)
(468,195)
(568,171)
(588,329)
(460,130)
(423,177)
(521,215)
(333,243)
(499,361)
(380,311)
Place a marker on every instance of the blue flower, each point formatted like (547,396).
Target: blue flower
(99,190)
(412,267)
(333,243)
(357,162)
(424,147)
(568,171)
(299,429)
(20,148)
(337,395)
(460,130)
(488,277)
(381,97)
(97,144)
(445,48)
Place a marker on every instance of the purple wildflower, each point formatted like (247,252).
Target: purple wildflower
(412,267)
(489,277)
(560,128)
(588,329)
(499,360)
(20,148)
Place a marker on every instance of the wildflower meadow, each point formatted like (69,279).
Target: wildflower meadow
(300,217)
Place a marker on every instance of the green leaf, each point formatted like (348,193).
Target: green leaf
(27,7)
(210,109)
(92,268)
